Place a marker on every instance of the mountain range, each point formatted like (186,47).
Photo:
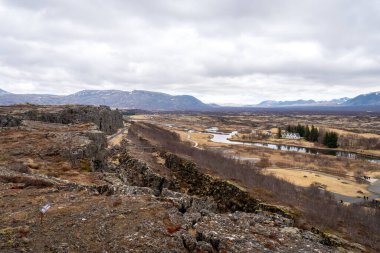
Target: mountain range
(148,100)
(301,102)
(137,99)
(370,99)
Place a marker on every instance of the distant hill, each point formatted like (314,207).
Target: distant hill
(3,92)
(137,99)
(365,99)
(148,100)
(272,103)
(371,99)
(340,101)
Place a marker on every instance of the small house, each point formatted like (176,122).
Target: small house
(293,136)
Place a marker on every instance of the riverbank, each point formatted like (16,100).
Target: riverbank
(322,150)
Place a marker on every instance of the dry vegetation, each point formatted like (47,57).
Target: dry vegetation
(317,208)
(364,127)
(347,187)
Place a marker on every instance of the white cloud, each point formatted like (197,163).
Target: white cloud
(221,51)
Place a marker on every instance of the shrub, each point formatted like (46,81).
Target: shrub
(85,165)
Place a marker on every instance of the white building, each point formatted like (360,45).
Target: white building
(294,136)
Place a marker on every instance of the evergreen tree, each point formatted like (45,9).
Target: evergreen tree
(314,133)
(331,140)
(302,132)
(279,135)
(307,133)
(334,140)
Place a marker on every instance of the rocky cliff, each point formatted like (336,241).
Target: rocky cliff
(106,119)
(9,121)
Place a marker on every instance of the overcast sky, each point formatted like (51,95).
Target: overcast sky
(222,51)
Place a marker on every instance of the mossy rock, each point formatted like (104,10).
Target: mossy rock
(85,165)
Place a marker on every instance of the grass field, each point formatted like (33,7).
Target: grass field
(331,183)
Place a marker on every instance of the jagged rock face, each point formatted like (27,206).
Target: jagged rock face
(91,152)
(106,119)
(227,196)
(75,140)
(125,218)
(187,178)
(9,121)
(135,172)
(53,148)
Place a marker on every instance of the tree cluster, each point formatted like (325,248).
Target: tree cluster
(330,139)
(309,133)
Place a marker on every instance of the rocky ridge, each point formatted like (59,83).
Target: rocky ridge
(117,217)
(113,200)
(106,119)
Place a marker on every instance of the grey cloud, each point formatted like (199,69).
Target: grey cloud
(220,50)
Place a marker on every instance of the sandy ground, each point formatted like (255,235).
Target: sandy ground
(333,184)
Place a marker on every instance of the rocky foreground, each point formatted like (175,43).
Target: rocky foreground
(111,197)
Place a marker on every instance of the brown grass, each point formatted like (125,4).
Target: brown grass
(332,184)
(318,208)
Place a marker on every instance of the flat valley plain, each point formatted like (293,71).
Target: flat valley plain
(358,133)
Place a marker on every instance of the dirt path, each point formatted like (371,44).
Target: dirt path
(116,138)
(189,138)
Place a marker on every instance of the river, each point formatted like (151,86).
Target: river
(224,138)
(374,186)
